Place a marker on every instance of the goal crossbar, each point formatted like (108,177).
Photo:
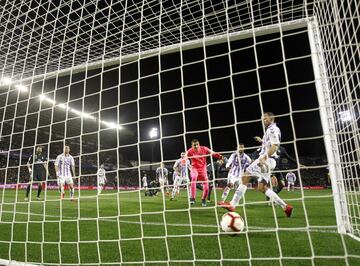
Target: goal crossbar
(207,41)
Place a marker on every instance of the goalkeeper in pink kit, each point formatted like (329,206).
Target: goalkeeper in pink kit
(198,154)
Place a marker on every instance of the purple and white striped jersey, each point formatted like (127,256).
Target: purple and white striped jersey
(161,173)
(101,174)
(238,163)
(290,177)
(64,164)
(272,136)
(183,166)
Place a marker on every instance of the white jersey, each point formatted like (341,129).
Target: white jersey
(291,177)
(238,163)
(64,164)
(272,136)
(101,175)
(144,180)
(183,166)
(162,173)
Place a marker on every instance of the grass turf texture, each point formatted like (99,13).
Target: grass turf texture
(65,232)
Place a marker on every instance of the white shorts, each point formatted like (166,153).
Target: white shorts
(162,181)
(101,181)
(291,183)
(66,180)
(264,172)
(145,184)
(181,180)
(231,179)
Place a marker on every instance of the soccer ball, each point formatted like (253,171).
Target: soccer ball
(232,222)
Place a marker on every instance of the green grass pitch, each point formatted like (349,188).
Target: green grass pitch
(64,232)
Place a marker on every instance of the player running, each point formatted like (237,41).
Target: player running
(65,171)
(181,174)
(291,179)
(262,167)
(37,172)
(101,179)
(198,155)
(237,163)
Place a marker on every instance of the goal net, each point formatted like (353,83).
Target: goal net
(127,85)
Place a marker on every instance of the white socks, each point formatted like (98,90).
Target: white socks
(239,193)
(274,197)
(71,193)
(225,193)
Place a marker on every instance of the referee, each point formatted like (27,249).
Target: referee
(37,165)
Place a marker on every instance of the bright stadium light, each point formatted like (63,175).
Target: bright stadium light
(345,116)
(21,88)
(63,106)
(111,125)
(153,133)
(85,115)
(42,97)
(82,114)
(5,81)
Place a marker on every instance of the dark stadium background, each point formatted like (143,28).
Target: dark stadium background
(208,106)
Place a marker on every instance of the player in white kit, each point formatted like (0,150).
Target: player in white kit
(161,175)
(261,168)
(181,174)
(144,182)
(291,179)
(65,171)
(237,163)
(101,178)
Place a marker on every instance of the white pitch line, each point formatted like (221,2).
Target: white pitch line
(113,220)
(253,229)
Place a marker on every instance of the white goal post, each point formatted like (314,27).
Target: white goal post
(321,81)
(90,43)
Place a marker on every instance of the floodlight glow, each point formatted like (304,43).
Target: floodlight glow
(345,116)
(111,125)
(6,81)
(153,133)
(42,97)
(85,115)
(21,88)
(63,106)
(75,111)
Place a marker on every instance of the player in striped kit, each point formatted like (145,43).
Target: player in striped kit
(237,163)
(161,176)
(101,178)
(65,171)
(261,168)
(181,174)
(291,179)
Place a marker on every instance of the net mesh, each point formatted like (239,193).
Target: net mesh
(128,84)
